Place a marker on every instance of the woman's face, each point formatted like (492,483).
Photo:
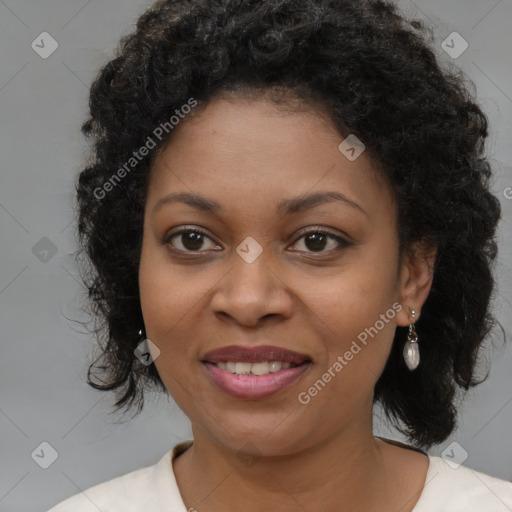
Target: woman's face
(254,178)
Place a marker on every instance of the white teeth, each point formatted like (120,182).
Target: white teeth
(275,366)
(261,368)
(243,368)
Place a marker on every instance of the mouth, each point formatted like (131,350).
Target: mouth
(260,368)
(256,372)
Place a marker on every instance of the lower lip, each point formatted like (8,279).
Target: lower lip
(254,386)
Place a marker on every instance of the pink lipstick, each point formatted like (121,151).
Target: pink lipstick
(254,372)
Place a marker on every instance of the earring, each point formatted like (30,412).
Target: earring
(411,349)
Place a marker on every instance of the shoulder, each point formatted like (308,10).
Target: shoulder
(121,493)
(454,488)
(135,491)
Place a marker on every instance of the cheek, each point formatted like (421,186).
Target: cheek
(167,303)
(353,312)
(164,290)
(173,298)
(165,295)
(355,295)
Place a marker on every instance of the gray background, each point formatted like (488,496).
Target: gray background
(44,355)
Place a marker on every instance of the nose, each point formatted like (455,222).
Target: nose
(250,292)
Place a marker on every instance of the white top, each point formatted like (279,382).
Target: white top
(154,489)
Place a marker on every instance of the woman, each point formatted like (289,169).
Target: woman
(289,220)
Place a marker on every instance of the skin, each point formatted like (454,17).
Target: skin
(248,154)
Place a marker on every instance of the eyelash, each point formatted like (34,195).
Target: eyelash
(343,243)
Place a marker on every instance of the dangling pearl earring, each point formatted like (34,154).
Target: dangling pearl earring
(411,349)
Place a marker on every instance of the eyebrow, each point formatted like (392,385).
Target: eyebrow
(285,207)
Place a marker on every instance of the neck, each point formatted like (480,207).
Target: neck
(343,472)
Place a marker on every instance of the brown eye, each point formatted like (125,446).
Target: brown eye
(188,240)
(317,241)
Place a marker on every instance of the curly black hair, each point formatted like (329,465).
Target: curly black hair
(377,76)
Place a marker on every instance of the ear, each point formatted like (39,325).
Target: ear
(416,275)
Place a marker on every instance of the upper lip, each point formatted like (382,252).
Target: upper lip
(238,353)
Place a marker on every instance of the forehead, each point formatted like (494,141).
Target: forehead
(248,150)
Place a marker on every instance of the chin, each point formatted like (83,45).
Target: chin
(270,436)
